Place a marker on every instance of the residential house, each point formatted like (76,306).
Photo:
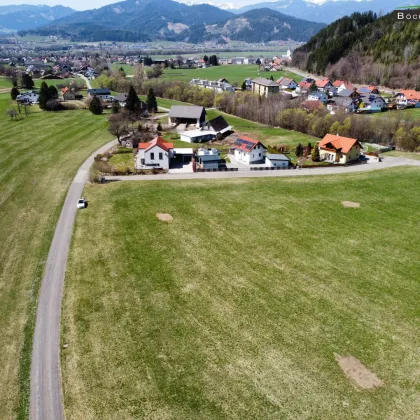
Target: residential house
(247,150)
(208,158)
(318,96)
(407,98)
(101,93)
(340,85)
(28,97)
(286,83)
(368,89)
(371,103)
(339,149)
(324,85)
(345,104)
(154,154)
(276,160)
(265,87)
(349,93)
(68,94)
(121,98)
(304,86)
(248,83)
(190,115)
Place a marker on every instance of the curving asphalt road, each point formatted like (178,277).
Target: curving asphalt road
(46,402)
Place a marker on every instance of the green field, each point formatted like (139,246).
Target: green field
(5,83)
(398,153)
(39,156)
(267,135)
(233,73)
(127,68)
(226,54)
(55,82)
(404,114)
(236,309)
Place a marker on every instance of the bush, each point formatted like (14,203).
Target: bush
(53,105)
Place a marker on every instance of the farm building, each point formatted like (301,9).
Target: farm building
(190,115)
(197,136)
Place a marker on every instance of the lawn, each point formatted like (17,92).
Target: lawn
(127,68)
(404,114)
(233,73)
(236,309)
(55,82)
(398,153)
(39,156)
(5,83)
(267,135)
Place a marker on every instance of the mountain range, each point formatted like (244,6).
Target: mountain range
(25,16)
(328,11)
(147,20)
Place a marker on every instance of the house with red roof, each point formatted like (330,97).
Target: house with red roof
(324,84)
(154,154)
(286,83)
(247,150)
(340,85)
(408,98)
(338,149)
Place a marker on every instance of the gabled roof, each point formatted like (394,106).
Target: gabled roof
(410,94)
(264,82)
(322,83)
(275,156)
(158,141)
(338,143)
(246,144)
(218,123)
(305,85)
(343,101)
(122,97)
(185,111)
(99,91)
(345,93)
(367,89)
(284,81)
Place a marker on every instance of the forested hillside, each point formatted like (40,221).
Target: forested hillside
(367,49)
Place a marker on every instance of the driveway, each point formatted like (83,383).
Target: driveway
(46,402)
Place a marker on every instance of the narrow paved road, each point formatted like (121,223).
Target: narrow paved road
(389,162)
(46,402)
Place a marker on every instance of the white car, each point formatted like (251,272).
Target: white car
(81,203)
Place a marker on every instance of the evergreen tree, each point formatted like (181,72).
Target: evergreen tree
(159,126)
(14,93)
(258,62)
(151,101)
(27,81)
(116,107)
(206,59)
(52,92)
(315,154)
(299,151)
(309,148)
(272,78)
(132,103)
(243,87)
(43,95)
(95,106)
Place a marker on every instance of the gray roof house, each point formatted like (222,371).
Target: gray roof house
(190,115)
(274,160)
(100,92)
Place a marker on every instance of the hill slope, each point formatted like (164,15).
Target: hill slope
(142,20)
(330,10)
(367,49)
(25,16)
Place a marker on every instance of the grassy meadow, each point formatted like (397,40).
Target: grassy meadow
(236,309)
(233,73)
(39,156)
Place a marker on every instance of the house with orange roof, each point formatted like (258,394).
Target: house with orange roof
(340,85)
(247,150)
(324,84)
(154,154)
(408,98)
(338,149)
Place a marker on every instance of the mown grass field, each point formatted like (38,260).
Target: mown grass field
(404,114)
(398,153)
(233,73)
(5,83)
(39,156)
(268,135)
(55,82)
(236,309)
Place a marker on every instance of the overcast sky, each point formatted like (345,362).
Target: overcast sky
(93,4)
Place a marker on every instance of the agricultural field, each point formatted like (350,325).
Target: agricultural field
(55,82)
(240,306)
(398,153)
(403,114)
(127,68)
(227,54)
(39,156)
(233,73)
(5,83)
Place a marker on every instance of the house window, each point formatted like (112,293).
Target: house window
(152,156)
(160,156)
(142,161)
(259,154)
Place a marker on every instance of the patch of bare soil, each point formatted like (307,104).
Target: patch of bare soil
(164,217)
(359,374)
(350,204)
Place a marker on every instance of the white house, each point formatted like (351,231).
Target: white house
(408,98)
(247,150)
(31,97)
(197,136)
(276,160)
(154,154)
(372,103)
(318,96)
(286,83)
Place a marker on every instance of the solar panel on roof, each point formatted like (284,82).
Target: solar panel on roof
(249,146)
(238,143)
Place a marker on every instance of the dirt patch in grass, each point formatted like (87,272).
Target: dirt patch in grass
(359,374)
(164,217)
(351,204)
